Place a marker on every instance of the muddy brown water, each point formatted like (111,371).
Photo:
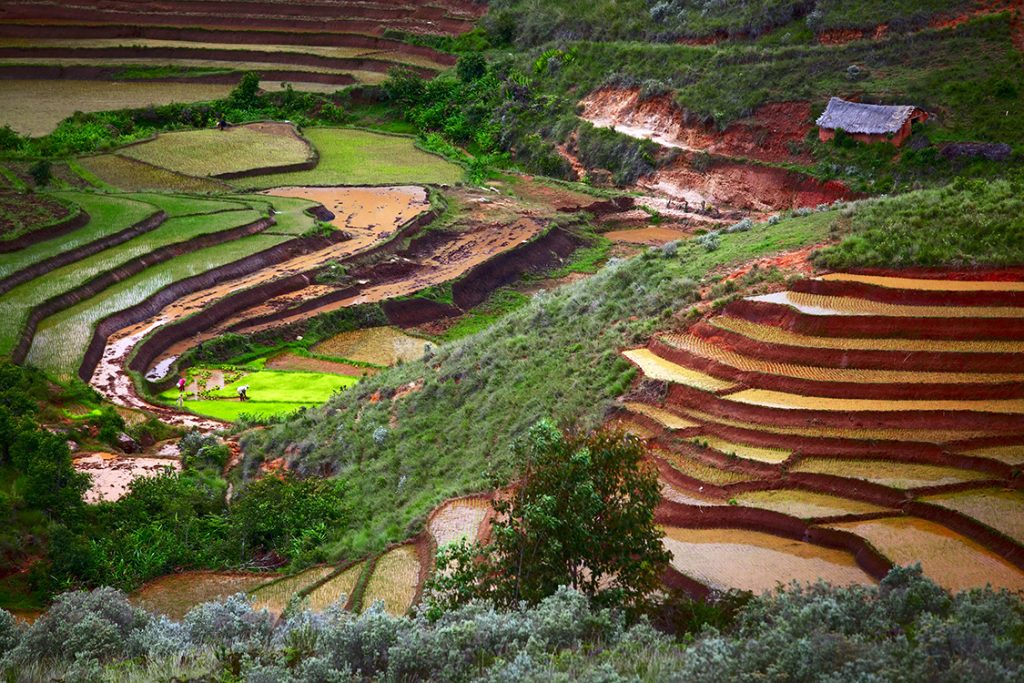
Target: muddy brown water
(113,474)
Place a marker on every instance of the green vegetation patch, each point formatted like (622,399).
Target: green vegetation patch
(212,152)
(271,393)
(356,157)
(967,223)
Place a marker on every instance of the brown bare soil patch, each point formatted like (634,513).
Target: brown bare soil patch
(773,133)
(175,594)
(291,361)
(383,346)
(112,474)
(756,561)
(360,209)
(654,236)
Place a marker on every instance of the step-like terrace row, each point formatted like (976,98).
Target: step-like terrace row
(846,387)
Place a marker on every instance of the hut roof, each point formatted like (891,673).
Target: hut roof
(854,117)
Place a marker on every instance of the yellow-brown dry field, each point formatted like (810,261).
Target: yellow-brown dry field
(1001,509)
(900,475)
(394,580)
(657,368)
(334,590)
(275,597)
(805,504)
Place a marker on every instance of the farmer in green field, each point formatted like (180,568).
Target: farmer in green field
(181,391)
(242,392)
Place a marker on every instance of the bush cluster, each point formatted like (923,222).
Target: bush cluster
(906,629)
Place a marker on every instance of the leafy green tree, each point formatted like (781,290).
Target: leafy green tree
(582,516)
(246,93)
(471,66)
(41,172)
(49,481)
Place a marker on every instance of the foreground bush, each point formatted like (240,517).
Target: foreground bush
(907,629)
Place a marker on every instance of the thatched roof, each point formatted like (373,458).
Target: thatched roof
(854,117)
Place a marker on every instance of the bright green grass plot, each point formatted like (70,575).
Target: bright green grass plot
(212,152)
(358,157)
(270,393)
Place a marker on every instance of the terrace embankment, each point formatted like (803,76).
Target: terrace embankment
(881,389)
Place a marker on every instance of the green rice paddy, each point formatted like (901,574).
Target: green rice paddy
(270,393)
(357,157)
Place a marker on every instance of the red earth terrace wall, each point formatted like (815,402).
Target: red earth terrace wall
(78,253)
(914,297)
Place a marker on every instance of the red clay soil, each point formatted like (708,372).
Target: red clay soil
(743,186)
(291,361)
(767,135)
(913,297)
(842,36)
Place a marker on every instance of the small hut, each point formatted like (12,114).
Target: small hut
(868,122)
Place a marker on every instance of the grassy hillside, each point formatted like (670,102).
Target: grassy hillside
(559,357)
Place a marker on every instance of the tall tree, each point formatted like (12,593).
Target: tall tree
(582,516)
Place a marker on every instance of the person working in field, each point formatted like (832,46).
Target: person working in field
(181,391)
(242,392)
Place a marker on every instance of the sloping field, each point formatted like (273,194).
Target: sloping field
(951,560)
(336,589)
(275,596)
(357,157)
(378,345)
(22,214)
(176,594)
(133,175)
(877,422)
(395,580)
(1001,509)
(216,152)
(749,560)
(458,519)
(35,106)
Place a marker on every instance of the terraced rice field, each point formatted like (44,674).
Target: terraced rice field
(898,475)
(769,455)
(753,561)
(806,504)
(61,339)
(657,368)
(705,349)
(394,580)
(458,519)
(383,346)
(845,420)
(175,594)
(363,208)
(771,334)
(817,304)
(357,157)
(214,152)
(951,560)
(21,214)
(782,399)
(35,107)
(337,589)
(132,175)
(1001,509)
(274,597)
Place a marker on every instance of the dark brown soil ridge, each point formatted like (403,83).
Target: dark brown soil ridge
(156,343)
(999,543)
(210,314)
(62,227)
(922,361)
(837,389)
(229,36)
(78,253)
(80,72)
(211,54)
(123,272)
